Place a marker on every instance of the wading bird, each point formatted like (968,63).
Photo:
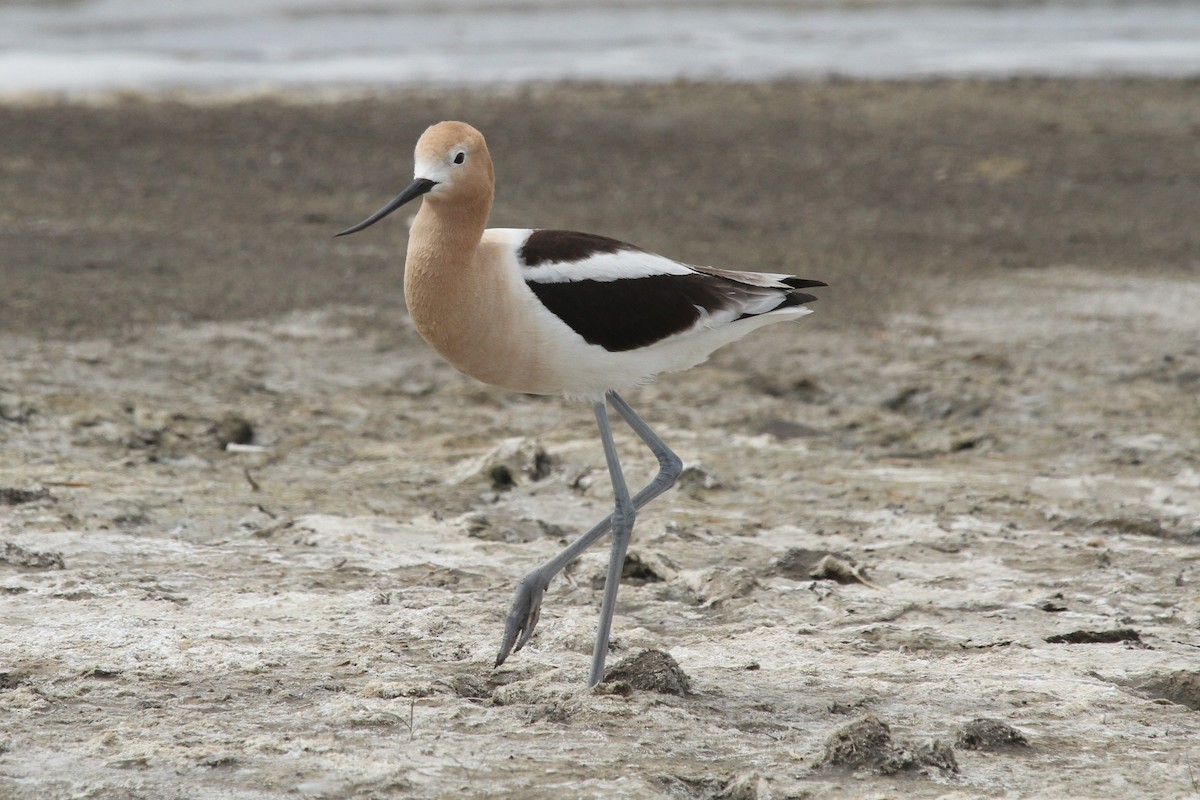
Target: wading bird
(560,312)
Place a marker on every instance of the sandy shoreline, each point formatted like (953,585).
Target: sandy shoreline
(994,414)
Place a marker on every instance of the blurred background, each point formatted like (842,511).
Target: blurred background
(150,44)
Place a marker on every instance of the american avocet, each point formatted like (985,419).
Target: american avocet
(560,312)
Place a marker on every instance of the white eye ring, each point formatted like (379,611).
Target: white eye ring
(459,157)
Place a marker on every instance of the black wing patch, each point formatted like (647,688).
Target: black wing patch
(556,247)
(628,314)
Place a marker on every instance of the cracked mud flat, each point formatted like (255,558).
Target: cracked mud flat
(314,612)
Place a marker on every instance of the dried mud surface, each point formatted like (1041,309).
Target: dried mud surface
(257,541)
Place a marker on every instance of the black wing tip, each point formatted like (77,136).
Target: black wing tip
(804,283)
(797,298)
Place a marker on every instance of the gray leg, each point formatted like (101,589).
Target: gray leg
(527,599)
(622,531)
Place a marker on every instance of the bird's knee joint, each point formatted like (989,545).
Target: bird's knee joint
(670,468)
(534,581)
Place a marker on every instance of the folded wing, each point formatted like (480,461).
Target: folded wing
(622,298)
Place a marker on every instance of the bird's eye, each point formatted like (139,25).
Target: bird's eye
(458,157)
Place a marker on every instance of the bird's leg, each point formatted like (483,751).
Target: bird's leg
(669,468)
(527,599)
(623,516)
(669,464)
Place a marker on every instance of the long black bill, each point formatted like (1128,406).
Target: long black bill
(415,189)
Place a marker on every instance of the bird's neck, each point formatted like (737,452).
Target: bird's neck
(445,236)
(444,278)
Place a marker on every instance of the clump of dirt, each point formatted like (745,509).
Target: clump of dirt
(1096,637)
(1136,526)
(470,686)
(507,465)
(651,671)
(989,734)
(639,570)
(927,403)
(233,429)
(867,744)
(15,497)
(1182,687)
(864,742)
(30,559)
(743,787)
(1052,604)
(800,564)
(11,679)
(696,479)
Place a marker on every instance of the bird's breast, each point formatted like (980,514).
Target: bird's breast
(472,312)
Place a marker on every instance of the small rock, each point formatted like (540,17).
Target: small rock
(989,734)
(584,481)
(651,671)
(697,478)
(506,464)
(866,743)
(1053,605)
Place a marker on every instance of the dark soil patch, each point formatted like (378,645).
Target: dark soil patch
(651,671)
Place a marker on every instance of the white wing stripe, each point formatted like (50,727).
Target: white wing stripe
(619,266)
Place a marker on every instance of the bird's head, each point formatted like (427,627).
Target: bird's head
(451,165)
